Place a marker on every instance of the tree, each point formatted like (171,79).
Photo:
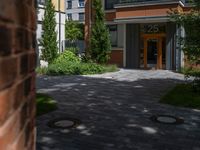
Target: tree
(100,38)
(74,31)
(49,35)
(191,41)
(191,23)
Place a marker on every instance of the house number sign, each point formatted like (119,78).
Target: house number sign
(153,28)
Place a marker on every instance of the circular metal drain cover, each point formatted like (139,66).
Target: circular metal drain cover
(64,123)
(167,119)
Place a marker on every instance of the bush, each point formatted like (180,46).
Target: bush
(111,68)
(193,72)
(70,68)
(41,70)
(70,64)
(74,50)
(91,68)
(67,56)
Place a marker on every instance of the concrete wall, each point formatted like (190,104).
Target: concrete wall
(17,76)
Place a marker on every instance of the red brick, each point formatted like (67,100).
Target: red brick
(8,71)
(23,115)
(18,95)
(7,10)
(20,143)
(17,77)
(19,37)
(23,13)
(5,105)
(33,21)
(24,64)
(9,132)
(32,61)
(5,41)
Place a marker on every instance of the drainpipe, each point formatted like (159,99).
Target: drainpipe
(59,26)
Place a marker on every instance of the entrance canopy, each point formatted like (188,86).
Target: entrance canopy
(149,19)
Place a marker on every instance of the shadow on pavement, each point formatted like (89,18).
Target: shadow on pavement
(115,115)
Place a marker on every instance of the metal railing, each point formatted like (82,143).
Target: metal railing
(147,1)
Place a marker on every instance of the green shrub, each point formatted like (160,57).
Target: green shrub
(70,64)
(67,56)
(70,68)
(91,68)
(193,72)
(74,50)
(110,68)
(64,68)
(41,70)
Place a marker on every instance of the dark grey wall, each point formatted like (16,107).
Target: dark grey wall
(170,46)
(132,46)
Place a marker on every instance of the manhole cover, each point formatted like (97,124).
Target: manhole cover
(167,119)
(64,123)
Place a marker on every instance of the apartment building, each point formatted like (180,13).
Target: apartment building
(75,10)
(142,33)
(60,20)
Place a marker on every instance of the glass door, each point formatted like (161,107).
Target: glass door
(153,53)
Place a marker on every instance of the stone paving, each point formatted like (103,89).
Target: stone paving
(115,111)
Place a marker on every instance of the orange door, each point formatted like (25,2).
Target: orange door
(153,52)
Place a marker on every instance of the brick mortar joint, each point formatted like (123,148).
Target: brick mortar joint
(7,122)
(21,132)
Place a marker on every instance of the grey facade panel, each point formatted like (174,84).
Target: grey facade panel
(170,46)
(132,46)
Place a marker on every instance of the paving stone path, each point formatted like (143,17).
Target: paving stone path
(115,111)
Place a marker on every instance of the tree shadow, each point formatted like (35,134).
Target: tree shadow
(115,115)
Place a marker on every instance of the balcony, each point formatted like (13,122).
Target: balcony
(124,3)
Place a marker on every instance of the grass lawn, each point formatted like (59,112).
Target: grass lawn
(45,104)
(182,95)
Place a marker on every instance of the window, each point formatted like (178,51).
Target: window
(113,34)
(109,4)
(69,4)
(81,16)
(41,2)
(81,3)
(69,17)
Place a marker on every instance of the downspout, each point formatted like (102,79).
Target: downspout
(59,26)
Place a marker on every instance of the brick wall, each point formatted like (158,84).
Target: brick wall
(116,57)
(17,77)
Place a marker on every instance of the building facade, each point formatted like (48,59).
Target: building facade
(75,10)
(60,20)
(142,35)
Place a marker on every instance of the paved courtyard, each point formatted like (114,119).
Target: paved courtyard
(115,111)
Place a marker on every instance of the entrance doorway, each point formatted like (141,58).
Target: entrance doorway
(154,51)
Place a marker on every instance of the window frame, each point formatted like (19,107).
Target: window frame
(109,26)
(69,18)
(81,3)
(69,6)
(106,4)
(83,16)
